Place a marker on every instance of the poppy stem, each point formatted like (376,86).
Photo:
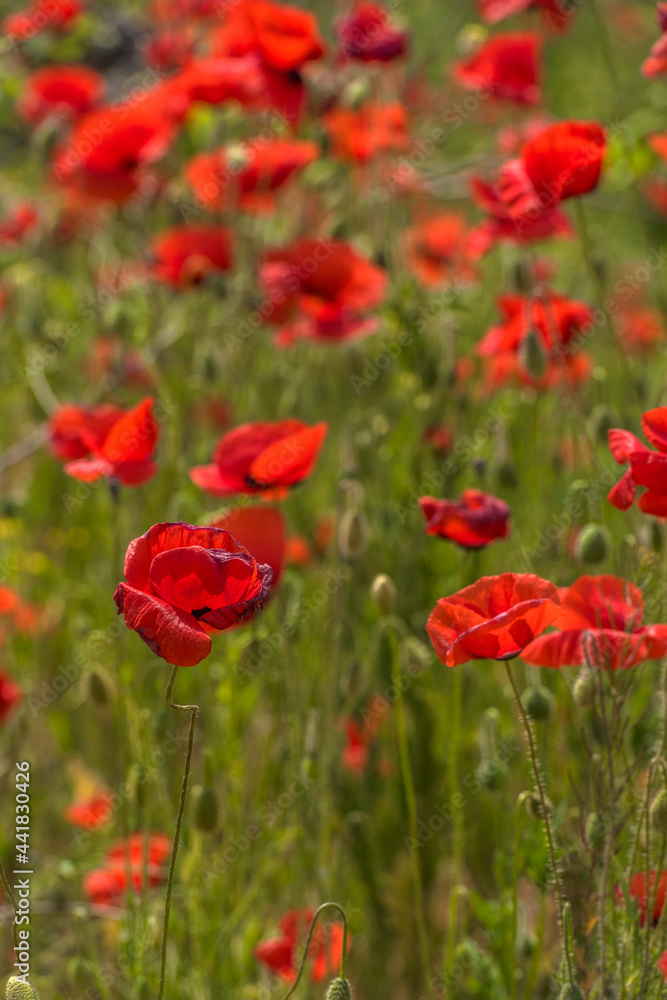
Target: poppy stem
(311,930)
(10,892)
(560,892)
(193,710)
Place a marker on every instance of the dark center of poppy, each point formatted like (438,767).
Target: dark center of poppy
(200,612)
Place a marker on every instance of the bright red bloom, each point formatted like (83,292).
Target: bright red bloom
(563,161)
(10,695)
(640,328)
(106,442)
(249,172)
(92,813)
(20,614)
(495,618)
(647,468)
(18,224)
(257,457)
(599,624)
(655,63)
(180,578)
(322,290)
(106,886)
(185,255)
(473,522)
(171,48)
(214,81)
(372,131)
(502,226)
(26,24)
(436,249)
(506,66)
(493,11)
(638,892)
(261,530)
(367,34)
(68,91)
(281,954)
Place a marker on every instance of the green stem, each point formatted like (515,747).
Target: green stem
(515,893)
(311,929)
(193,710)
(454,724)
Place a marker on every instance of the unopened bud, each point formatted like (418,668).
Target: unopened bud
(659,812)
(206,810)
(18,989)
(538,702)
(507,474)
(592,545)
(596,832)
(339,989)
(532,356)
(536,806)
(353,534)
(584,688)
(383,593)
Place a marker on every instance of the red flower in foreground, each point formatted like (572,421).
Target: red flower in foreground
(495,618)
(321,290)
(281,954)
(180,578)
(372,131)
(474,521)
(368,35)
(507,66)
(10,695)
(261,530)
(261,456)
(68,91)
(638,892)
(92,813)
(599,624)
(106,442)
(647,468)
(26,24)
(107,885)
(563,161)
(184,255)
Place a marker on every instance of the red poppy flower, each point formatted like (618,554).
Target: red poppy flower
(502,226)
(506,66)
(92,813)
(120,448)
(600,624)
(20,615)
(473,522)
(106,886)
(436,249)
(440,438)
(640,329)
(169,49)
(18,224)
(662,965)
(495,618)
(26,24)
(180,578)
(322,290)
(185,255)
(368,35)
(372,131)
(638,892)
(68,91)
(257,457)
(10,695)
(555,16)
(214,81)
(360,737)
(248,172)
(297,551)
(261,530)
(647,468)
(281,954)
(655,63)
(561,162)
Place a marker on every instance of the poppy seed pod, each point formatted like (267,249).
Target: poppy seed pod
(18,989)
(659,812)
(538,702)
(383,593)
(584,688)
(532,356)
(353,534)
(592,544)
(535,803)
(596,830)
(339,989)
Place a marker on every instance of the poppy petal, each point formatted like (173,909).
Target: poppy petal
(171,633)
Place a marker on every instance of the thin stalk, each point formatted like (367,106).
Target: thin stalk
(311,929)
(194,711)
(10,892)
(515,894)
(452,773)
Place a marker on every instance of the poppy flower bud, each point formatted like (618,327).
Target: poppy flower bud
(532,356)
(596,831)
(339,989)
(383,593)
(656,537)
(592,544)
(536,806)
(100,687)
(353,534)
(415,656)
(356,92)
(507,474)
(206,810)
(584,688)
(538,702)
(659,812)
(523,279)
(17,989)
(492,774)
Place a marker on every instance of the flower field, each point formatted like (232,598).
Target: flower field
(333,461)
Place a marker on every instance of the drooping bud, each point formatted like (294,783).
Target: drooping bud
(383,593)
(584,688)
(532,356)
(596,831)
(17,989)
(206,810)
(592,545)
(538,702)
(659,812)
(353,534)
(535,803)
(339,989)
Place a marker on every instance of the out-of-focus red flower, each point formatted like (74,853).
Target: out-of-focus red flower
(655,63)
(638,892)
(261,457)
(563,161)
(439,437)
(495,618)
(171,48)
(248,173)
(654,190)
(19,222)
(106,442)
(368,35)
(92,813)
(297,551)
(360,737)
(280,954)
(109,358)
(322,290)
(41,16)
(436,249)
(180,578)
(325,529)
(599,624)
(171,11)
(555,17)
(506,66)
(372,131)
(67,91)
(261,530)
(473,522)
(216,80)
(107,885)
(10,695)
(662,965)
(502,226)
(640,328)
(185,255)
(510,138)
(647,468)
